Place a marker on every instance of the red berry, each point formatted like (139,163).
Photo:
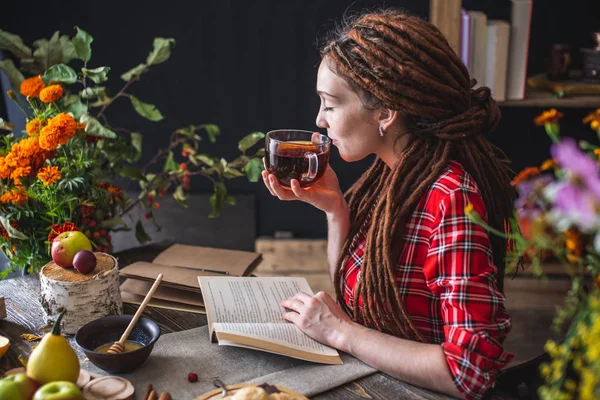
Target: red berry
(183,166)
(148,215)
(85,221)
(192,377)
(108,238)
(92,223)
(88,234)
(156,205)
(96,235)
(185,153)
(150,197)
(103,232)
(161,193)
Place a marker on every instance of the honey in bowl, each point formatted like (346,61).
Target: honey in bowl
(130,345)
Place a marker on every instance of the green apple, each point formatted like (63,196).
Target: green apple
(59,390)
(27,385)
(11,390)
(66,245)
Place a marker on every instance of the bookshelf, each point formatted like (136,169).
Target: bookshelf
(545,99)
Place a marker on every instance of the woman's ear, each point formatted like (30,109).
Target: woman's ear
(387,117)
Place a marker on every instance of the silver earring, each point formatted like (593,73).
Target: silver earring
(381,131)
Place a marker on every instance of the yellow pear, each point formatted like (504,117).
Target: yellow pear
(53,359)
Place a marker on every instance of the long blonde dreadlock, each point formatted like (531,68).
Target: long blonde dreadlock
(397,61)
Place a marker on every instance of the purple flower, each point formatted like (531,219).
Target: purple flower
(568,155)
(576,205)
(530,202)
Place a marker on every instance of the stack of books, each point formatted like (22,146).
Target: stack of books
(495,52)
(181,265)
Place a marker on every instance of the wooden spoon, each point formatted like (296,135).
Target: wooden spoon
(119,347)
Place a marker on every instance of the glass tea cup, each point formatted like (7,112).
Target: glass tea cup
(296,154)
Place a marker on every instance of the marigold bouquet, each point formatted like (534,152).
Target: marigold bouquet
(60,174)
(558,211)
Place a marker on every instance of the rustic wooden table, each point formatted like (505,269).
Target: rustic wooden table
(25,315)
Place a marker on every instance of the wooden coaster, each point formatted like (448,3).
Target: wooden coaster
(231,389)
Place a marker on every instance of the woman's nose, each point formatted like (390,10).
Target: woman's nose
(321,121)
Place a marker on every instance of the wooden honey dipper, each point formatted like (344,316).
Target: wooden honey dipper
(119,347)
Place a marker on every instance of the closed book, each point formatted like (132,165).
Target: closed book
(520,22)
(477,52)
(465,40)
(498,35)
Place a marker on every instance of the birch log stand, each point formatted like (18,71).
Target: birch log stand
(85,297)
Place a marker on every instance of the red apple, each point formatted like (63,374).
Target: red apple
(84,261)
(66,245)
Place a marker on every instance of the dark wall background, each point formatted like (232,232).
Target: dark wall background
(251,66)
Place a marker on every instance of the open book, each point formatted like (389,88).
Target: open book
(246,312)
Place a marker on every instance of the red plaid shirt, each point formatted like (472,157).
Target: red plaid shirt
(447,278)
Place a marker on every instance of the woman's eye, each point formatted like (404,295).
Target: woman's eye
(327,108)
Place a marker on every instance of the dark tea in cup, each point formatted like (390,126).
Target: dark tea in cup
(295,154)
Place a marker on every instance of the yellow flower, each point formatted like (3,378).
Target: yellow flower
(526,174)
(593,119)
(33,127)
(469,209)
(49,175)
(31,87)
(548,164)
(11,94)
(14,196)
(51,93)
(573,245)
(548,117)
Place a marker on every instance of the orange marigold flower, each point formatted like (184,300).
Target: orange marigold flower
(548,117)
(59,130)
(548,165)
(573,245)
(80,126)
(526,174)
(33,127)
(31,87)
(594,116)
(51,93)
(49,175)
(14,196)
(57,229)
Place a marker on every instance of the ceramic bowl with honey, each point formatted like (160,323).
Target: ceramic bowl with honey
(95,337)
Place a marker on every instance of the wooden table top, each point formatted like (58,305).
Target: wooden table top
(25,315)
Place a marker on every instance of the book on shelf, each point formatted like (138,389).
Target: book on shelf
(496,62)
(446,16)
(477,49)
(246,312)
(465,36)
(181,265)
(520,23)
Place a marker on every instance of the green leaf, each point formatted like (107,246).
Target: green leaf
(253,169)
(231,173)
(14,75)
(136,142)
(250,140)
(217,199)
(92,92)
(170,164)
(68,49)
(260,153)
(129,171)
(140,233)
(161,51)
(148,111)
(14,44)
(12,232)
(213,131)
(60,72)
(48,52)
(94,128)
(31,66)
(133,72)
(73,105)
(206,159)
(180,196)
(98,75)
(230,200)
(82,42)
(112,223)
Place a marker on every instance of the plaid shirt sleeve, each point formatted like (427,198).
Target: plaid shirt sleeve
(459,269)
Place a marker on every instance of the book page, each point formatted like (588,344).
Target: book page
(248,300)
(284,334)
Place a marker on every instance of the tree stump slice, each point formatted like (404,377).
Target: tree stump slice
(85,297)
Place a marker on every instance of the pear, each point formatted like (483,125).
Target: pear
(53,359)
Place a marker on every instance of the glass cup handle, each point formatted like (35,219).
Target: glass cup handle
(313,167)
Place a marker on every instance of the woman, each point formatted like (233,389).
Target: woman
(419,286)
